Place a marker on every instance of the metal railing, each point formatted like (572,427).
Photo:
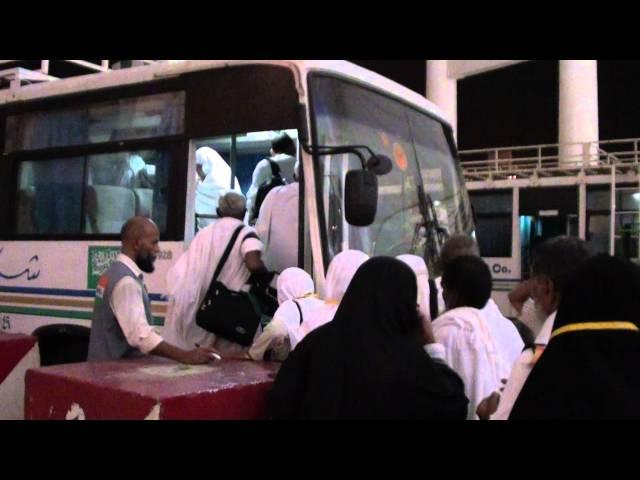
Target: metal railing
(16,76)
(550,159)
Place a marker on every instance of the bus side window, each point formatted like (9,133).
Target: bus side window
(50,196)
(118,186)
(122,185)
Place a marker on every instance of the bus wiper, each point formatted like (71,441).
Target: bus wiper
(384,220)
(434,233)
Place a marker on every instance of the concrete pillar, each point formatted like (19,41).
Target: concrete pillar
(578,110)
(443,91)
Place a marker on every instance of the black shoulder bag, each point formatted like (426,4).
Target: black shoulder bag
(225,313)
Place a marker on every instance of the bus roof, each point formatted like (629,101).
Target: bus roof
(135,75)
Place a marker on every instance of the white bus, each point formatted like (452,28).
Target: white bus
(82,155)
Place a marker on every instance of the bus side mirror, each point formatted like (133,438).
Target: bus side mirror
(361,191)
(361,197)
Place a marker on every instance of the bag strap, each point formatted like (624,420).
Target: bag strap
(250,235)
(433,299)
(275,168)
(299,311)
(227,252)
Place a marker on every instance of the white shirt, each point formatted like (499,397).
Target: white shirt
(470,352)
(277,227)
(189,278)
(235,273)
(504,333)
(436,351)
(506,337)
(521,371)
(126,303)
(263,173)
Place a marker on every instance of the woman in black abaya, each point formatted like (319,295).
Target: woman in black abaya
(589,369)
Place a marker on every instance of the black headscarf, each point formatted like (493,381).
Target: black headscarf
(368,362)
(590,374)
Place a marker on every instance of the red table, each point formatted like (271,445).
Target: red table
(17,354)
(149,387)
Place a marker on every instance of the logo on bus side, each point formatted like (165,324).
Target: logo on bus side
(99,259)
(32,270)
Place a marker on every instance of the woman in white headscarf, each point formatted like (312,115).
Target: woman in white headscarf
(300,311)
(419,267)
(297,299)
(341,270)
(215,183)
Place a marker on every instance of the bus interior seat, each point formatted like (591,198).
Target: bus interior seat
(146,178)
(144,201)
(108,208)
(60,343)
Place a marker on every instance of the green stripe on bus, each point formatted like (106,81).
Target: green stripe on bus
(46,312)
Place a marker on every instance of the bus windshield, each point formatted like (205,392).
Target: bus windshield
(345,114)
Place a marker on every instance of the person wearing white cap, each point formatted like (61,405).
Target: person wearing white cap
(297,302)
(189,278)
(214,177)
